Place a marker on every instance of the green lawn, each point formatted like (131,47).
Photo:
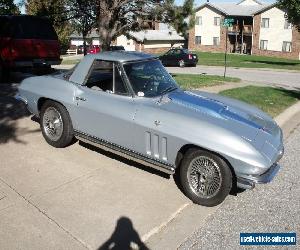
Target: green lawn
(271,100)
(247,61)
(189,81)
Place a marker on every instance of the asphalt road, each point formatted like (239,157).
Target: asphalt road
(283,78)
(268,208)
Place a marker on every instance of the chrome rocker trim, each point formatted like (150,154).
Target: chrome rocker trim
(248,182)
(127,153)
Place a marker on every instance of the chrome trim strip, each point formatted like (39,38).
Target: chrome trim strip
(127,153)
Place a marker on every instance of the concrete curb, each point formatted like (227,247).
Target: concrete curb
(286,115)
(252,69)
(289,119)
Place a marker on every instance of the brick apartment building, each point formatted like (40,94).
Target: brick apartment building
(258,29)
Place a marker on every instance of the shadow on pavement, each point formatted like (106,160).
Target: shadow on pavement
(124,160)
(124,237)
(11,110)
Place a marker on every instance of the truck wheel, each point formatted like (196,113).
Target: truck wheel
(56,124)
(205,177)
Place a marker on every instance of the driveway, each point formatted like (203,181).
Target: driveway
(283,78)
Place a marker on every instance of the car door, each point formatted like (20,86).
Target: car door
(177,56)
(167,58)
(105,108)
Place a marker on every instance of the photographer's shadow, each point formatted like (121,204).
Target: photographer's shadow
(124,237)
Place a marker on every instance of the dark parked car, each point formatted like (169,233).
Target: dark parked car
(114,48)
(179,57)
(80,49)
(27,41)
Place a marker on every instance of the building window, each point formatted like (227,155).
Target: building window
(287,46)
(265,22)
(198,40)
(199,20)
(217,21)
(263,44)
(287,25)
(216,41)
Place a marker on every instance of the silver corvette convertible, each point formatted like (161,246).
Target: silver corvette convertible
(126,102)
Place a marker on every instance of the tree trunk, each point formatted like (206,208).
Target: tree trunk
(106,44)
(84,34)
(105,29)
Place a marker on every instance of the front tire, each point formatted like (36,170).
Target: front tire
(56,124)
(205,177)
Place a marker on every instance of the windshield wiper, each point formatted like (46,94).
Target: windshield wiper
(169,89)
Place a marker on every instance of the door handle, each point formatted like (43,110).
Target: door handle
(78,98)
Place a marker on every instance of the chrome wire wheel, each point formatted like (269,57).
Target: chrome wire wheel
(204,177)
(53,124)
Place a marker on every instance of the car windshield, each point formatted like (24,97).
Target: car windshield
(149,78)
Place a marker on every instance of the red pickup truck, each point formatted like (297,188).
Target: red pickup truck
(27,41)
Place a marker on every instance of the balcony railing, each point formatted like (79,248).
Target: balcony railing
(247,29)
(236,29)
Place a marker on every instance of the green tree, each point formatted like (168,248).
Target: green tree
(117,17)
(7,7)
(292,8)
(83,15)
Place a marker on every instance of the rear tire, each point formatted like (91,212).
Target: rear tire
(56,124)
(205,177)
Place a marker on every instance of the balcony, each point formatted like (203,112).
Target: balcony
(247,29)
(236,29)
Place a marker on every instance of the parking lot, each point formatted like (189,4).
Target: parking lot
(81,197)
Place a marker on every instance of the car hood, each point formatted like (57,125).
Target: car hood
(245,120)
(223,107)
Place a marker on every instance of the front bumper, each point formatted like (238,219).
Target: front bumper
(19,98)
(32,63)
(248,182)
